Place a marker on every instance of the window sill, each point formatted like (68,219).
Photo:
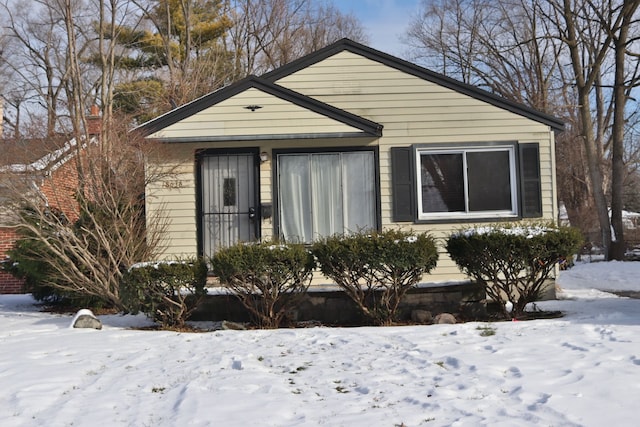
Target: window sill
(467,219)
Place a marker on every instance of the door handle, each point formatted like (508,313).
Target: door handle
(252,213)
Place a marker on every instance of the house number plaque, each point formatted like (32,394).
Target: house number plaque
(172,184)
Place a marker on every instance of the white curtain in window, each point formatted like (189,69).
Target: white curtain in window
(295,198)
(322,194)
(326,194)
(359,191)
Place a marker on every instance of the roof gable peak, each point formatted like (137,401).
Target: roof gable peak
(267,86)
(349,45)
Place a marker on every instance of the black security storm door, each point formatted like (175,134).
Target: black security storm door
(228,200)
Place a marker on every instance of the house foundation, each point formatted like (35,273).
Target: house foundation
(333,306)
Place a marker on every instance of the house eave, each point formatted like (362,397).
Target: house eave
(266,137)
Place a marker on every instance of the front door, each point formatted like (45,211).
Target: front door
(228,200)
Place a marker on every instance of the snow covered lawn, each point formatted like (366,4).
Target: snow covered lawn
(579,370)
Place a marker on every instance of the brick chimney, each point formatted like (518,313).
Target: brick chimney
(94,121)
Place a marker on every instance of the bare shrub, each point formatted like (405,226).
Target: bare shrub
(512,261)
(377,269)
(268,278)
(99,229)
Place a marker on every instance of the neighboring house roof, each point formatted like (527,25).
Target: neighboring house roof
(30,151)
(355,125)
(33,155)
(25,161)
(417,71)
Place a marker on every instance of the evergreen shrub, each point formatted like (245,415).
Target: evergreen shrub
(167,292)
(27,261)
(30,259)
(376,269)
(268,278)
(512,261)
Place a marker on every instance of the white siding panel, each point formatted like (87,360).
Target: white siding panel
(173,195)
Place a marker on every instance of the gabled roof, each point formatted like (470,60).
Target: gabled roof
(417,71)
(26,161)
(364,126)
(32,151)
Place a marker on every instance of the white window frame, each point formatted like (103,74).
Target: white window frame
(513,178)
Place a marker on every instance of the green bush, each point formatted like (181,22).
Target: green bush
(512,261)
(27,261)
(375,270)
(166,292)
(268,278)
(31,260)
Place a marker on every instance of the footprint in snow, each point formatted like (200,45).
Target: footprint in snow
(574,347)
(453,362)
(514,372)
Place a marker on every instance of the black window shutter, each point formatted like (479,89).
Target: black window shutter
(530,191)
(402,184)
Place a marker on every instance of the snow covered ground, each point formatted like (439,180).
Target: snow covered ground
(579,370)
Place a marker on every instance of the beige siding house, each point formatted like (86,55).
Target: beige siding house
(349,138)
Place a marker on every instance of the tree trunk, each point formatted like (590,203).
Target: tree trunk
(617,249)
(595,173)
(584,81)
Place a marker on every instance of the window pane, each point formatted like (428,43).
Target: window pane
(442,182)
(322,194)
(295,198)
(229,192)
(326,195)
(489,178)
(359,185)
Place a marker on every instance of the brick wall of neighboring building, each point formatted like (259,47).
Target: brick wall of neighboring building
(8,283)
(59,188)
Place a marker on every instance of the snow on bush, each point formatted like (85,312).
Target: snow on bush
(512,261)
(377,269)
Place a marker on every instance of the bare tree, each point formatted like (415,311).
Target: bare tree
(626,77)
(103,231)
(50,42)
(505,47)
(597,36)
(500,46)
(37,55)
(269,33)
(111,13)
(86,240)
(3,62)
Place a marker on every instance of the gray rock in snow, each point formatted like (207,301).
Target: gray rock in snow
(233,326)
(86,319)
(445,319)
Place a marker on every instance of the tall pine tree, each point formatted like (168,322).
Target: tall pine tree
(173,54)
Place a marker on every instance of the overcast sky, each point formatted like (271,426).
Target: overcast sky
(384,20)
